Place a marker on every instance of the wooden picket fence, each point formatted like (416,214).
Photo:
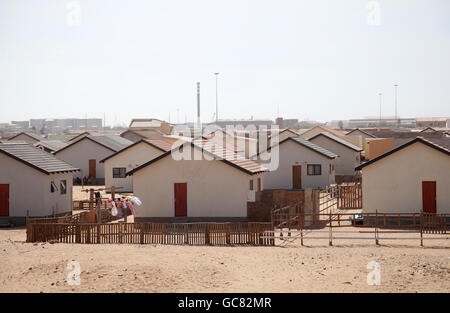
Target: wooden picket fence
(152,233)
(290,218)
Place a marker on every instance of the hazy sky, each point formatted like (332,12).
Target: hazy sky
(316,59)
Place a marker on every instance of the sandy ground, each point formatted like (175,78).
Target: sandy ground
(79,194)
(287,267)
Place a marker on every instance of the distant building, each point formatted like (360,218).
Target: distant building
(46,126)
(244,123)
(287,123)
(143,124)
(24,125)
(432,122)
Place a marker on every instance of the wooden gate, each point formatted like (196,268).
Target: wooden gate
(434,223)
(350,196)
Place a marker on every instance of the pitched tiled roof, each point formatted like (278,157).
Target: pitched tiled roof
(444,148)
(218,152)
(338,140)
(305,143)
(362,131)
(314,147)
(160,144)
(156,143)
(34,136)
(36,158)
(111,142)
(52,144)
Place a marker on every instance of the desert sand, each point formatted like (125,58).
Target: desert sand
(287,267)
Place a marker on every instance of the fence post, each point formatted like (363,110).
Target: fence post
(421,229)
(207,234)
(78,234)
(186,234)
(228,234)
(120,232)
(142,233)
(331,233)
(376,228)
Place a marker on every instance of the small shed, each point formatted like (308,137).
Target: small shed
(349,155)
(33,180)
(86,153)
(362,135)
(301,164)
(198,181)
(412,178)
(128,158)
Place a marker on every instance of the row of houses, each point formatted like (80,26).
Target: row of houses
(174,183)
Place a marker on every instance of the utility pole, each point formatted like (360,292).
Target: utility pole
(217,97)
(396,116)
(380,94)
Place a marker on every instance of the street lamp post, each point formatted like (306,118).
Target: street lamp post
(380,94)
(396,116)
(217,98)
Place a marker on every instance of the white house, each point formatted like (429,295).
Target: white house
(412,178)
(130,157)
(282,135)
(361,134)
(208,183)
(348,154)
(302,164)
(32,180)
(86,153)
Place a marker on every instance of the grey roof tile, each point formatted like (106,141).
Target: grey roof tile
(338,140)
(35,157)
(314,147)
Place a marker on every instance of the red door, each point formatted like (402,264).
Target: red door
(180,191)
(429,196)
(4,200)
(92,168)
(297,177)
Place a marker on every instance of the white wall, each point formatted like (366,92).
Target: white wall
(130,159)
(394,183)
(291,154)
(214,189)
(29,189)
(80,153)
(347,158)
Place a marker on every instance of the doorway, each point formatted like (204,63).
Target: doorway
(4,199)
(92,168)
(297,177)
(180,192)
(429,196)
